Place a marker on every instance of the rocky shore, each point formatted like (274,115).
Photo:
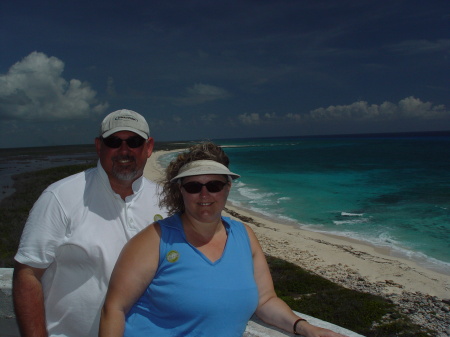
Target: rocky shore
(425,310)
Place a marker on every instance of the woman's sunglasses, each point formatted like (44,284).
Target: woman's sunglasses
(212,186)
(116,142)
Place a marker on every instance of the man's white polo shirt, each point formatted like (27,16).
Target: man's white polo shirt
(76,230)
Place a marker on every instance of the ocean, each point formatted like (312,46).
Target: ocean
(391,191)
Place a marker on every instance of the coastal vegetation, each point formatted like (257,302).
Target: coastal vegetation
(367,314)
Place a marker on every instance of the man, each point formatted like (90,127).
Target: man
(76,230)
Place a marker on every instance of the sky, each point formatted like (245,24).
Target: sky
(222,69)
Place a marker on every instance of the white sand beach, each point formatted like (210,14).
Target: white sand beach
(340,259)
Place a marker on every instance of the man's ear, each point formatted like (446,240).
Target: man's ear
(98,144)
(150,145)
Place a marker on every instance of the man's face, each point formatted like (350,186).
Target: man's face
(125,163)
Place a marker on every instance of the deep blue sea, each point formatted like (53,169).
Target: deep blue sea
(387,190)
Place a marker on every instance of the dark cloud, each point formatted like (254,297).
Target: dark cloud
(202,69)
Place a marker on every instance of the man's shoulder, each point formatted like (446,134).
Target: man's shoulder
(74,180)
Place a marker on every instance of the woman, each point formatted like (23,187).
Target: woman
(195,273)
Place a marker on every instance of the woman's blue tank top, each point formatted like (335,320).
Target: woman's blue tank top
(192,296)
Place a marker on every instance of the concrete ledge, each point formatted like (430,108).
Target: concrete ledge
(255,327)
(6,307)
(8,326)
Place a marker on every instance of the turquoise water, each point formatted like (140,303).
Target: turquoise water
(388,191)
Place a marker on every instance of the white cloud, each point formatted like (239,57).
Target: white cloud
(414,107)
(176,119)
(209,118)
(272,115)
(201,93)
(421,46)
(34,89)
(110,87)
(409,107)
(249,118)
(295,117)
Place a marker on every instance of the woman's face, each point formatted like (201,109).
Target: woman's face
(203,205)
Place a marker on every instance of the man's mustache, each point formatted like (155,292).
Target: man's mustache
(119,158)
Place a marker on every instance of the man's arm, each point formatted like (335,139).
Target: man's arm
(28,300)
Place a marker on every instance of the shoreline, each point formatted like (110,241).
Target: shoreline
(321,252)
(386,251)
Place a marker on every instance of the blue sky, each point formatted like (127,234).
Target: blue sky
(222,69)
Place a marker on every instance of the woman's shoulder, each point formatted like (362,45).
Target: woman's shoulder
(231,222)
(236,225)
(173,221)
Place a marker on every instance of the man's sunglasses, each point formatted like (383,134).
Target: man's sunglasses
(212,186)
(116,142)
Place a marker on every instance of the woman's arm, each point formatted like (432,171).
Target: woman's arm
(271,309)
(133,272)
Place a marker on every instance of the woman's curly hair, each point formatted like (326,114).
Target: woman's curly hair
(170,195)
